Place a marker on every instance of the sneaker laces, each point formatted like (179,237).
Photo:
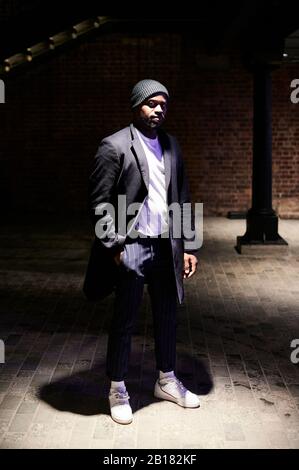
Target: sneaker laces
(175,381)
(119,394)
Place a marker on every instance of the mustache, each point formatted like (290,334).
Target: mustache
(159,116)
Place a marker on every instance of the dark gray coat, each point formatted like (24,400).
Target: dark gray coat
(120,168)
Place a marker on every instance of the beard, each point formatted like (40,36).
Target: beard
(151,123)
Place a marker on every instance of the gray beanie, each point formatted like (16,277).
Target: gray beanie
(146,88)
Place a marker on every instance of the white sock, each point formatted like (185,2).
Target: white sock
(164,375)
(120,384)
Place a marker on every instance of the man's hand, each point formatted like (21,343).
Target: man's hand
(117,258)
(190,265)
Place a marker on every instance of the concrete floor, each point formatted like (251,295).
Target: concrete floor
(234,333)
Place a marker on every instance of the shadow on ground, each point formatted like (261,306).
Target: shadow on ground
(86,392)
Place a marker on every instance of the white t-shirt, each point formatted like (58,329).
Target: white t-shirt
(153,217)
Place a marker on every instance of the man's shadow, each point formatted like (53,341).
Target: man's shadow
(86,392)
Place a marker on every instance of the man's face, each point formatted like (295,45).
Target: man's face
(153,111)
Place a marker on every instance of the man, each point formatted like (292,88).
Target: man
(140,165)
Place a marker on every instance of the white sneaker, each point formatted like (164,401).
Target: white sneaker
(172,389)
(121,412)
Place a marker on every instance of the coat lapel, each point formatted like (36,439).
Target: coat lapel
(167,157)
(140,156)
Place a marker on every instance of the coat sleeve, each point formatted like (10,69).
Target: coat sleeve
(189,235)
(102,191)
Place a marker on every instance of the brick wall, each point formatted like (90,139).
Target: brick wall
(57,111)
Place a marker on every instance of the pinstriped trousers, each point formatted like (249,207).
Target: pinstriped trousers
(144,261)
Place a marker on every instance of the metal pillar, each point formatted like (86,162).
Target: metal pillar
(261,219)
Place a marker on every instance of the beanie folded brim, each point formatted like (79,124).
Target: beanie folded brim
(145,89)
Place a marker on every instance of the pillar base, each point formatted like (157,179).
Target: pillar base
(258,248)
(261,235)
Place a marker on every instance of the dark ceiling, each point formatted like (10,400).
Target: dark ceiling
(251,25)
